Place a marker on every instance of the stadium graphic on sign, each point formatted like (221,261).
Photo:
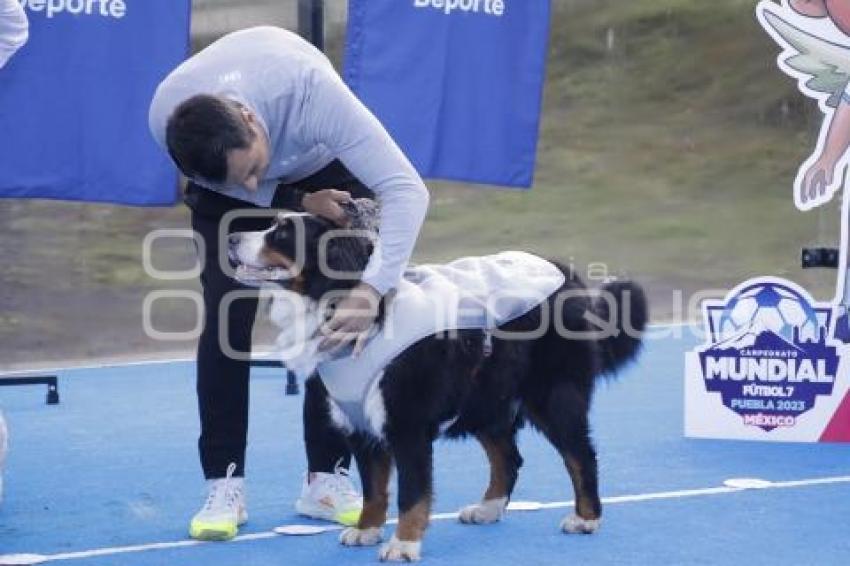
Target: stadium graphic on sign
(770,352)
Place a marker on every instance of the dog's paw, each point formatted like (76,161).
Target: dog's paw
(400,551)
(576,525)
(488,511)
(352,536)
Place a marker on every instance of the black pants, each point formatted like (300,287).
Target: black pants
(222,381)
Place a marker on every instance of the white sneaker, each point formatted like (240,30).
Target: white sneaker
(331,497)
(224,510)
(4,448)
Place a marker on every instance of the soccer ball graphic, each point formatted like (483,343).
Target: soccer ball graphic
(769,307)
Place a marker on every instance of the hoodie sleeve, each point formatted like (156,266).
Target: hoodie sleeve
(334,117)
(14,29)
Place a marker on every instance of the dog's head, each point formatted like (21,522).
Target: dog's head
(305,253)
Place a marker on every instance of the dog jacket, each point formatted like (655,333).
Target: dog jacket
(468,293)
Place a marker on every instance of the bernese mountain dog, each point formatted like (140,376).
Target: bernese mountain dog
(470,382)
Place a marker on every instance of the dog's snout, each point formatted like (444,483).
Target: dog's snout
(233,239)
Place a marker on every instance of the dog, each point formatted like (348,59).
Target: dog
(537,365)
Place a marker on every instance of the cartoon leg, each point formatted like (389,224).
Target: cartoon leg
(842,325)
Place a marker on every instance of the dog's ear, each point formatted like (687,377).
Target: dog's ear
(363,213)
(348,255)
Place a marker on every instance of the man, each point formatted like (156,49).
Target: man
(14,31)
(261,119)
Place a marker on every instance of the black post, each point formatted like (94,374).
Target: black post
(311,26)
(311,22)
(291,379)
(49,380)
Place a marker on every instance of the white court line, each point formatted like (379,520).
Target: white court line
(118,363)
(41,558)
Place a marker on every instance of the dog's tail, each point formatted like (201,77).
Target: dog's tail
(623,310)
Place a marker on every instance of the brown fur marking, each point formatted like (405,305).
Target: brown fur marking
(374,512)
(498,479)
(584,504)
(273,258)
(412,524)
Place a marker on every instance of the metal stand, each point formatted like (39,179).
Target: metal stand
(842,325)
(311,26)
(311,22)
(48,380)
(831,258)
(820,257)
(291,380)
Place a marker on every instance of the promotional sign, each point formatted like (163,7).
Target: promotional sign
(74,101)
(457,83)
(774,366)
(770,369)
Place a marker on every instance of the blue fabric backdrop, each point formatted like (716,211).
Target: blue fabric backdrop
(74,101)
(458,83)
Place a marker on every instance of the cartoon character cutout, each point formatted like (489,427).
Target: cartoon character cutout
(815,35)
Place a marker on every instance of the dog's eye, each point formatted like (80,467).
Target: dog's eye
(275,237)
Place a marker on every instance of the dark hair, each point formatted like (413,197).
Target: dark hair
(201,131)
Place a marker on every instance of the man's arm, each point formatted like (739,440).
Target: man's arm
(14,29)
(338,120)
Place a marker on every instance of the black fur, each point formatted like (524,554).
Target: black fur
(631,306)
(547,381)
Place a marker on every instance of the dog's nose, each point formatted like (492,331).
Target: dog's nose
(233,239)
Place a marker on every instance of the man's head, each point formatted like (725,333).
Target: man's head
(218,141)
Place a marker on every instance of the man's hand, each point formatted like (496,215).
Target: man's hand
(326,203)
(817,179)
(352,319)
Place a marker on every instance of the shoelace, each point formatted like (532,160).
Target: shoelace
(342,484)
(222,490)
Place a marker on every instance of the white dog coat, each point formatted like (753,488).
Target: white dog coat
(468,293)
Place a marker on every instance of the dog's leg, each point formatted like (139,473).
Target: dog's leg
(414,460)
(563,419)
(505,462)
(374,464)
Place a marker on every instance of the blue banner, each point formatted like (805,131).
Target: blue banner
(74,101)
(458,83)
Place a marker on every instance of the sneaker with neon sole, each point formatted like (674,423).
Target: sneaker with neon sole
(223,512)
(331,497)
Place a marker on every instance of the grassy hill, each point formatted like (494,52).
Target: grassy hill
(669,142)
